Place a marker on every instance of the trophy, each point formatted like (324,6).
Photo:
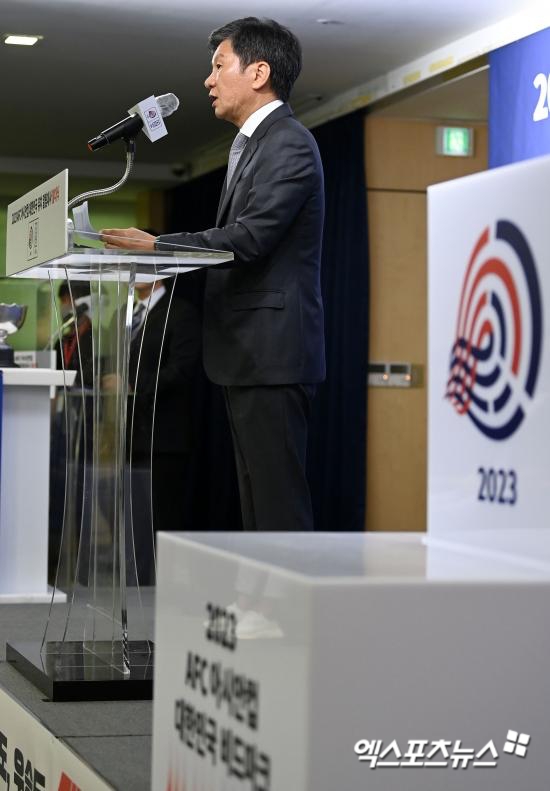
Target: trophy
(11,319)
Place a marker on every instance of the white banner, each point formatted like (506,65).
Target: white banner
(489,356)
(31,757)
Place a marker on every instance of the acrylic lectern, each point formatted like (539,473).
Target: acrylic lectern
(99,644)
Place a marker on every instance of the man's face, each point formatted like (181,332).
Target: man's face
(65,306)
(230,87)
(143,290)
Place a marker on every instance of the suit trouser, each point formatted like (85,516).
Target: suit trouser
(269,430)
(169,505)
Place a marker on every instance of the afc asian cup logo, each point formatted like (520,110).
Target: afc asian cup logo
(496,356)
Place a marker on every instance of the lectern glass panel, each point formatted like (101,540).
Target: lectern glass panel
(99,644)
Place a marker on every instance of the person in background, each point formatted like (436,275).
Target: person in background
(74,352)
(159,432)
(75,345)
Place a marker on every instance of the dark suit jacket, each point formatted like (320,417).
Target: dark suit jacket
(263,316)
(178,365)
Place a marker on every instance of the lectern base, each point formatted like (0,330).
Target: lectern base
(73,671)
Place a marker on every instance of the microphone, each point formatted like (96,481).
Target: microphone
(168,104)
(129,127)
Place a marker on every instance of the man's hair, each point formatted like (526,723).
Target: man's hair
(254,39)
(78,289)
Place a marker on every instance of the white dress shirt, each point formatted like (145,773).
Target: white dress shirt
(253,121)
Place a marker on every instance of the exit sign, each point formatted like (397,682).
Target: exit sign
(455,141)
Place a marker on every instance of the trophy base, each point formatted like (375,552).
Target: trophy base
(73,671)
(6,357)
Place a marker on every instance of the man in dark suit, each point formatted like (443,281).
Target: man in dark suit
(159,461)
(263,317)
(173,324)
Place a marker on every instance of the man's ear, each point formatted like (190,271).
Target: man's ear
(262,74)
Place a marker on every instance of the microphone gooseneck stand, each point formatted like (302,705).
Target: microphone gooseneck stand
(99,193)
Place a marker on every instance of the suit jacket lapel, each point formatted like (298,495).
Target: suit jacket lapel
(160,303)
(220,202)
(247,155)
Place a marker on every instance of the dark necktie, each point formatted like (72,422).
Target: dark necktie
(235,154)
(137,319)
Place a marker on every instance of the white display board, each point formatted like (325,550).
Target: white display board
(347,662)
(25,464)
(218,701)
(489,353)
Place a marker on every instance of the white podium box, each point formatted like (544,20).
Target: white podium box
(24,483)
(348,661)
(489,357)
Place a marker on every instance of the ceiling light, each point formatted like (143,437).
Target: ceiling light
(22,41)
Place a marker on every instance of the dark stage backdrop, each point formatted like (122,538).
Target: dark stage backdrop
(336,453)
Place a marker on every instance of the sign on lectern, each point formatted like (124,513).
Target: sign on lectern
(37,225)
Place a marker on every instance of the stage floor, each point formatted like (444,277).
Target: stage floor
(112,738)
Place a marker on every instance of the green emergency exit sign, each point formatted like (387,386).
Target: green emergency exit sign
(455,141)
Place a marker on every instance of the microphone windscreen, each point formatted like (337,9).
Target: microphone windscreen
(168,104)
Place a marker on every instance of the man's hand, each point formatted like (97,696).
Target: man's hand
(111,383)
(127,238)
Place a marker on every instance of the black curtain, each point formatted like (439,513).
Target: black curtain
(337,439)
(336,454)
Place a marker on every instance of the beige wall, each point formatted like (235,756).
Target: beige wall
(400,164)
